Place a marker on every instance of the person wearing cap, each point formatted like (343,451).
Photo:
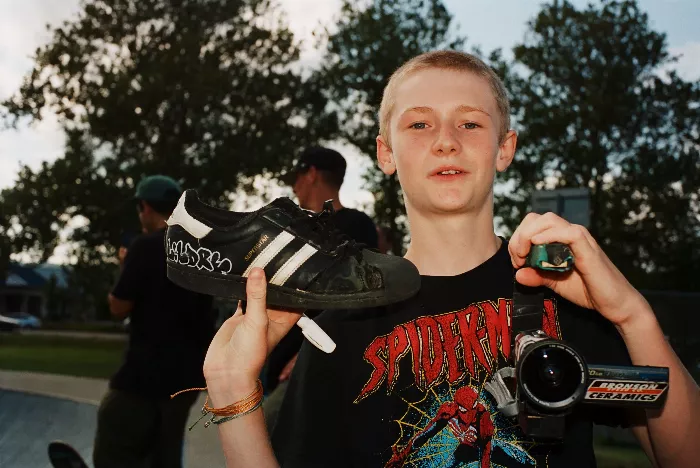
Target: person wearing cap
(316,177)
(138,424)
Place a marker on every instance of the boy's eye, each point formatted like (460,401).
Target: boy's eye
(470,125)
(418,125)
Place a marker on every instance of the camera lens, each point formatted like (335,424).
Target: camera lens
(552,374)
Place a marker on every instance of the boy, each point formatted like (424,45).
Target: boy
(405,384)
(137,423)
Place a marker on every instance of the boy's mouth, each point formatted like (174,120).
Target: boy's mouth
(448,172)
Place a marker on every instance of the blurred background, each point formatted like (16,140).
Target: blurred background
(223,95)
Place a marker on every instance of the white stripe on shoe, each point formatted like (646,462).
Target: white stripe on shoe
(271,251)
(293,264)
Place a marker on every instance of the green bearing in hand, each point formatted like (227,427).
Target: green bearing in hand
(550,257)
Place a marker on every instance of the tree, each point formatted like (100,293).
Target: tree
(4,255)
(208,92)
(599,106)
(369,43)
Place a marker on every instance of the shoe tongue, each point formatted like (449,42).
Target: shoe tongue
(285,203)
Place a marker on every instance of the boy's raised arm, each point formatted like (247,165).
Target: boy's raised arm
(670,435)
(232,367)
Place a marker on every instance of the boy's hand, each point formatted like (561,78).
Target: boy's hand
(238,351)
(594,283)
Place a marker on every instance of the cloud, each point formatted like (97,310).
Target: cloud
(30,145)
(688,65)
(305,16)
(22,30)
(351,193)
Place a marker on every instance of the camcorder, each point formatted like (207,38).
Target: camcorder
(549,377)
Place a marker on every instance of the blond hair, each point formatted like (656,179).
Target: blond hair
(446,60)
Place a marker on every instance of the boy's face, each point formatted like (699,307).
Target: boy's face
(445,141)
(303,186)
(146,216)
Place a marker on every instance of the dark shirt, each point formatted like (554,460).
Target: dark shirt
(170,328)
(354,224)
(410,378)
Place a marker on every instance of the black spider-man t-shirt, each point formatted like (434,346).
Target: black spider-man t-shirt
(405,386)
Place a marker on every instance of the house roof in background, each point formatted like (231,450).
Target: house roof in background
(60,272)
(14,280)
(35,276)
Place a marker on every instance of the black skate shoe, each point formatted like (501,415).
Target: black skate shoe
(307,264)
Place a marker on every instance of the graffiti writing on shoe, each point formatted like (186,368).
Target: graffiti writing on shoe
(201,258)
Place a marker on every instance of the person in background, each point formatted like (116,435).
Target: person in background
(316,177)
(138,424)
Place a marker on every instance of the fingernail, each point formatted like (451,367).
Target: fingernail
(257,274)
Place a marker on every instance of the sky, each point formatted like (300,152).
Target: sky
(487,23)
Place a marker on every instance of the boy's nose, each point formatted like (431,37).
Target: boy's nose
(446,143)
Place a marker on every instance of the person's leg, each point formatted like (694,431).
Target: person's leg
(126,426)
(171,430)
(273,404)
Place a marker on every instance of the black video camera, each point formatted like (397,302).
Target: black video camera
(551,377)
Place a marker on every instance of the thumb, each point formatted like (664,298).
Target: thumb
(533,278)
(256,294)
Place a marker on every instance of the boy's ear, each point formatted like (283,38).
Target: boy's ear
(506,151)
(146,209)
(311,174)
(385,156)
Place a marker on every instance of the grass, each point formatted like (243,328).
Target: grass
(614,456)
(101,327)
(84,357)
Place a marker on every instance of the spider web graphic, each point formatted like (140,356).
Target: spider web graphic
(439,451)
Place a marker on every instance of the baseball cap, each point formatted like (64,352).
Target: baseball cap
(323,159)
(158,188)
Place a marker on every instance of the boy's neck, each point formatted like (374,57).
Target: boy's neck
(323,194)
(448,245)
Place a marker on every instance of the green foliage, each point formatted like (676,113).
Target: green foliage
(5,247)
(368,43)
(599,107)
(208,92)
(203,91)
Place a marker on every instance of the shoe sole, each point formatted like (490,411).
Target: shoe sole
(233,287)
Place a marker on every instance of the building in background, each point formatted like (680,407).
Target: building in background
(37,289)
(572,204)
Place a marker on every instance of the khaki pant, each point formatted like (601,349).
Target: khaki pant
(137,432)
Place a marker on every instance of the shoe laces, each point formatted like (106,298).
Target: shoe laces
(320,226)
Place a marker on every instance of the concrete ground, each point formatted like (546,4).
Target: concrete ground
(38,408)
